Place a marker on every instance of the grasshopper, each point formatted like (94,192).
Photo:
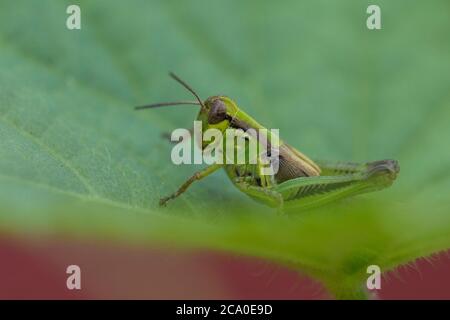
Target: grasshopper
(299,182)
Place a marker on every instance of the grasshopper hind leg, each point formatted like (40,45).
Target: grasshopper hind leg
(345,168)
(339,180)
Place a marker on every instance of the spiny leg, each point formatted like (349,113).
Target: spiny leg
(333,168)
(197,176)
(313,191)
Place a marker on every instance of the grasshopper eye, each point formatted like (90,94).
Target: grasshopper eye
(218,112)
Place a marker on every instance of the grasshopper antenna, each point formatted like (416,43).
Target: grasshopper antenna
(184,84)
(163,104)
(199,102)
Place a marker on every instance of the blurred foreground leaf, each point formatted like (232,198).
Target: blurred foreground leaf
(76,160)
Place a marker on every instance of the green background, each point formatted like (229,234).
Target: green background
(76,160)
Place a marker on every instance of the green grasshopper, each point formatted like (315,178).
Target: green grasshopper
(299,182)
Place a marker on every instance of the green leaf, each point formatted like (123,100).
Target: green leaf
(77,160)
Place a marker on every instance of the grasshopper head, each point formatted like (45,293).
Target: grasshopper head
(216,112)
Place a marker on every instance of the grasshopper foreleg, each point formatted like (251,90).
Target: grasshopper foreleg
(197,176)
